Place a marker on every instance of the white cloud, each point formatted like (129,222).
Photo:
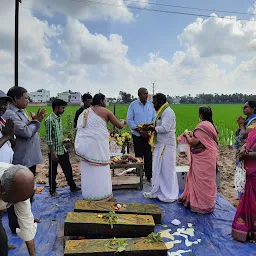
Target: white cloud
(34,37)
(82,47)
(85,10)
(216,37)
(252,9)
(210,61)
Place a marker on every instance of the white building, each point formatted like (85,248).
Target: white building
(40,96)
(70,97)
(75,97)
(63,96)
(176,100)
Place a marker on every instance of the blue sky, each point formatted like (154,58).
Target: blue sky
(154,31)
(70,44)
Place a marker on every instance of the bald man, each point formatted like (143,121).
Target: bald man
(141,111)
(16,187)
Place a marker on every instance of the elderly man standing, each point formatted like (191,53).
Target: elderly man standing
(27,150)
(141,111)
(16,187)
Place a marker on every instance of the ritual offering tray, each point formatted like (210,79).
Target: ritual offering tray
(125,159)
(110,247)
(102,225)
(120,208)
(143,126)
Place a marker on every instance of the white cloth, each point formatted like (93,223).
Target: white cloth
(6,152)
(92,141)
(96,181)
(92,145)
(27,230)
(164,178)
(166,128)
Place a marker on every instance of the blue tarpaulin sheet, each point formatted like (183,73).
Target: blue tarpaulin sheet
(214,229)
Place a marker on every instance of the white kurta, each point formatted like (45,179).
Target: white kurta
(164,181)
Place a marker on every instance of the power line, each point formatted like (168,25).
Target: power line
(190,8)
(160,11)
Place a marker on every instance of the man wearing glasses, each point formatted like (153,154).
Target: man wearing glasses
(27,150)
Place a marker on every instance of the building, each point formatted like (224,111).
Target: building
(75,98)
(70,97)
(40,96)
(176,100)
(63,96)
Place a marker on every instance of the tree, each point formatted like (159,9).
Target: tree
(125,97)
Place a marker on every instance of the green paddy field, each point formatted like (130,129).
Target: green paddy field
(224,116)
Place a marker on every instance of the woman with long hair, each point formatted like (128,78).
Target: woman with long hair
(92,145)
(200,190)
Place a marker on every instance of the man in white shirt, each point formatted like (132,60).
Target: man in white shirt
(6,131)
(16,187)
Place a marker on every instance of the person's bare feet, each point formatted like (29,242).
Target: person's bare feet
(11,246)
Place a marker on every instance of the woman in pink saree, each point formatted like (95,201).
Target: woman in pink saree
(244,223)
(200,190)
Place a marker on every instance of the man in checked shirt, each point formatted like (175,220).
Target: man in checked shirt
(57,151)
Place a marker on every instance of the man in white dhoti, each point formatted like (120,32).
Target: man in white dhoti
(92,145)
(163,141)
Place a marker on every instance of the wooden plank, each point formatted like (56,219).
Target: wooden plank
(90,225)
(126,208)
(125,180)
(128,165)
(99,247)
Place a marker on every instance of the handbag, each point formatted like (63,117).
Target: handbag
(240,177)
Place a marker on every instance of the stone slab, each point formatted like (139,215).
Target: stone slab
(99,247)
(90,225)
(126,208)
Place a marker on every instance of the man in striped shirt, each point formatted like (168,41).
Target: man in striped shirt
(57,151)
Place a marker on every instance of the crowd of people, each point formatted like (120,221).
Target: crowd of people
(153,128)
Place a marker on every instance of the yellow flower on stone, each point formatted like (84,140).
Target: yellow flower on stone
(100,216)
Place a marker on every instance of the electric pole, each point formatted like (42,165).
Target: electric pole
(16,47)
(153,86)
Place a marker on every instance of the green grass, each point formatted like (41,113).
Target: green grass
(224,116)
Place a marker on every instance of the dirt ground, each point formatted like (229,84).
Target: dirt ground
(226,165)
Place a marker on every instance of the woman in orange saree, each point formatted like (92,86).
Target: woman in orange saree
(244,223)
(200,190)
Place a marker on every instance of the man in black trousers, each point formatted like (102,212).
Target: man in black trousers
(141,111)
(58,154)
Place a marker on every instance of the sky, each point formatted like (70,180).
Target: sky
(103,45)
